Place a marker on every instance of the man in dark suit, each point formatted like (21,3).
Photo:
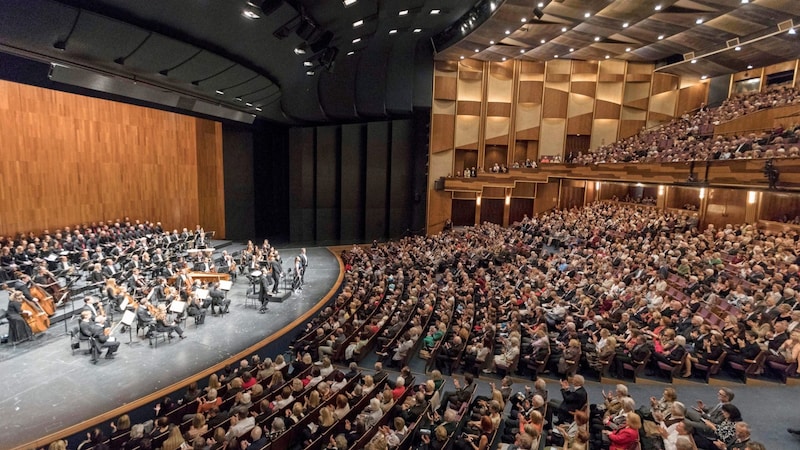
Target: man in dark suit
(109,270)
(97,331)
(263,297)
(303,265)
(574,398)
(218,299)
(277,272)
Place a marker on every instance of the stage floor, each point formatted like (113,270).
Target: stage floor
(45,388)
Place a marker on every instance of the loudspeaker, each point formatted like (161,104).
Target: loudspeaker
(538,13)
(438,185)
(306,29)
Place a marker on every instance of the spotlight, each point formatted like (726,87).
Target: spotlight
(301,49)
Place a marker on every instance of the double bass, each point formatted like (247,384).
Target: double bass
(45,300)
(33,314)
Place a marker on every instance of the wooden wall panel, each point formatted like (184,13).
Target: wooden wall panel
(604,131)
(442,132)
(530,91)
(463,212)
(690,98)
(778,206)
(552,137)
(492,210)
(210,177)
(556,100)
(519,208)
(444,88)
(725,206)
(69,159)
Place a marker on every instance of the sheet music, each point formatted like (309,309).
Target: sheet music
(225,285)
(177,307)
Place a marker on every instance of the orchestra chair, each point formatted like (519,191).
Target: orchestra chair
(155,335)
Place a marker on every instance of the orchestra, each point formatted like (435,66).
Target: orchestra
(125,266)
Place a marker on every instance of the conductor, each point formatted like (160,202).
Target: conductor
(276,270)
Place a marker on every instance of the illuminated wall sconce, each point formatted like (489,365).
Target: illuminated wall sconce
(508,200)
(702,193)
(478,200)
(661,190)
(597,185)
(751,197)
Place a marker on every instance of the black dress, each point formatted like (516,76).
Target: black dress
(18,329)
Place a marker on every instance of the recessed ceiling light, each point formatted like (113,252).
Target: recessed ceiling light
(555,56)
(504,58)
(258,108)
(791,31)
(563,29)
(694,61)
(250,14)
(744,2)
(308,64)
(704,77)
(351,53)
(523,20)
(571,50)
(625,25)
(657,8)
(597,38)
(220,92)
(508,32)
(392,31)
(540,5)
(699,21)
(607,57)
(349,2)
(358,23)
(477,50)
(417,30)
(587,15)
(492,6)
(660,37)
(299,51)
(737,48)
(249,104)
(435,11)
(542,41)
(491,42)
(310,73)
(522,50)
(403,13)
(238,99)
(627,49)
(461,57)
(750,66)
(356,40)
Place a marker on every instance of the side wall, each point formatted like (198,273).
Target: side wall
(68,159)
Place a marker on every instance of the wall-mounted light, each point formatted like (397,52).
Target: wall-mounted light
(702,194)
(751,197)
(478,200)
(661,190)
(597,185)
(508,200)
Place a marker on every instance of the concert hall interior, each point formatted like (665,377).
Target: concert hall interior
(429,186)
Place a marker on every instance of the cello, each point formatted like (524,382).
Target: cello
(46,303)
(33,314)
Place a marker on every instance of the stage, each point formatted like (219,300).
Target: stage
(46,388)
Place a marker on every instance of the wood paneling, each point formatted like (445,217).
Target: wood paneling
(463,212)
(759,120)
(469,108)
(210,177)
(519,208)
(69,159)
(555,103)
(778,206)
(586,88)
(444,88)
(530,91)
(492,210)
(663,82)
(496,109)
(443,132)
(580,125)
(606,110)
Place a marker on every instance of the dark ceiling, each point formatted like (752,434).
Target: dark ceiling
(208,57)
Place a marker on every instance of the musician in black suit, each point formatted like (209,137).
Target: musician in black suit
(96,275)
(304,264)
(262,292)
(218,298)
(110,269)
(97,331)
(277,272)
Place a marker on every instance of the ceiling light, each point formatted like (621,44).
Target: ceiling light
(308,64)
(744,2)
(349,2)
(258,108)
(491,42)
(435,11)
(523,20)
(791,31)
(249,104)
(704,77)
(657,8)
(508,32)
(597,38)
(310,73)
(504,58)
(555,56)
(220,92)
(300,49)
(477,50)
(522,50)
(660,37)
(250,14)
(587,15)
(358,23)
(563,29)
(351,53)
(625,25)
(542,41)
(461,57)
(417,30)
(694,61)
(571,50)
(607,57)
(356,40)
(750,66)
(699,21)
(392,31)
(238,99)
(403,13)
(492,6)
(627,49)
(540,5)
(737,48)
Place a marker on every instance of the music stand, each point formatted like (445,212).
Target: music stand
(127,319)
(177,306)
(202,294)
